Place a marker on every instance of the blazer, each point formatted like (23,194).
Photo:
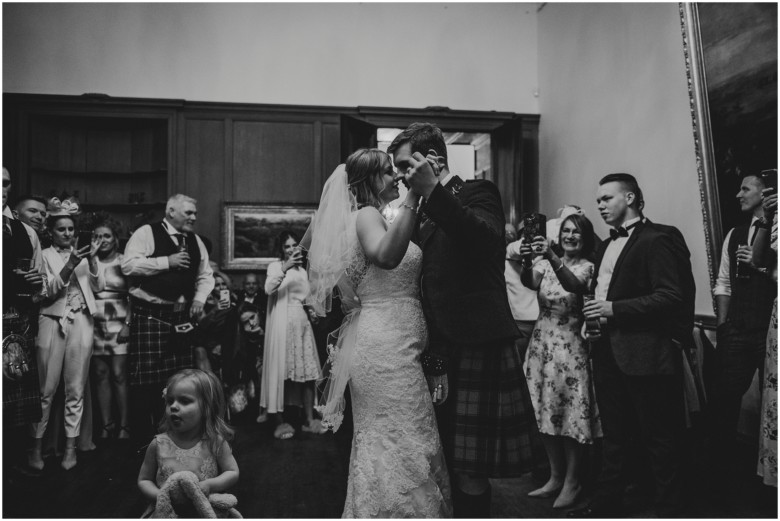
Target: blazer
(647,298)
(462,276)
(686,316)
(54,304)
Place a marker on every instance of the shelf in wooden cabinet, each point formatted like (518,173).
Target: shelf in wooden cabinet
(122,207)
(138,173)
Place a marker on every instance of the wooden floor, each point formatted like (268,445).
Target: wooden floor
(304,477)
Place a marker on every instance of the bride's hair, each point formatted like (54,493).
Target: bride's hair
(363,167)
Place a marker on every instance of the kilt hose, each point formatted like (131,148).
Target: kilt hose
(22,399)
(487,423)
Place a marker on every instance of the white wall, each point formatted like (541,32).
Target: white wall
(464,56)
(614,98)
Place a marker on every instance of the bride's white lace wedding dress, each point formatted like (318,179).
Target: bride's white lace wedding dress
(397,465)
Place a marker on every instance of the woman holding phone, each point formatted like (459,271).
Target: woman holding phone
(112,331)
(557,365)
(65,330)
(218,325)
(289,351)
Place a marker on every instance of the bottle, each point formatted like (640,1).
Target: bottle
(592,325)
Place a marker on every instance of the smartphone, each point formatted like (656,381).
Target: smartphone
(534,224)
(84,238)
(224,299)
(769,177)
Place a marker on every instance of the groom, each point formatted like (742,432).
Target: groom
(484,424)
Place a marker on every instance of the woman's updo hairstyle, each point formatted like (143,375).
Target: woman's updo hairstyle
(363,168)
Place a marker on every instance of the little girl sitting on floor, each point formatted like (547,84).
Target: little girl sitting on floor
(194,437)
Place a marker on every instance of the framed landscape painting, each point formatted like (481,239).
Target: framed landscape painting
(250,232)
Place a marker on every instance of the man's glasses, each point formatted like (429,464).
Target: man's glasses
(6,183)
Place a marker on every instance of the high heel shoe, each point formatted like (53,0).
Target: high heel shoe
(108,432)
(35,460)
(69,460)
(124,432)
(569,501)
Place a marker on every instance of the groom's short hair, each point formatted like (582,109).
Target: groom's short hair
(423,137)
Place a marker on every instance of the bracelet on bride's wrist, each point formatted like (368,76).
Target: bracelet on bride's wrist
(410,207)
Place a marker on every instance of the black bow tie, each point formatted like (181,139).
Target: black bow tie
(620,232)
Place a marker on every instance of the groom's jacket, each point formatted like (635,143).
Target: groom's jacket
(462,281)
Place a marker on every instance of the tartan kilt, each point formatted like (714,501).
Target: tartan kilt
(487,422)
(155,351)
(22,399)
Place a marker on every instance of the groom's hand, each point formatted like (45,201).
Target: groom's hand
(438,395)
(420,176)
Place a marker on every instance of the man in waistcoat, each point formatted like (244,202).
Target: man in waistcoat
(744,298)
(170,278)
(23,288)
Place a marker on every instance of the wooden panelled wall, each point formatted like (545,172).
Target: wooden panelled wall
(253,156)
(251,153)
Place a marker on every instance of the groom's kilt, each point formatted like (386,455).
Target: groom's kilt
(486,422)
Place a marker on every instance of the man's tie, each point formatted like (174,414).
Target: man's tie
(755,225)
(621,231)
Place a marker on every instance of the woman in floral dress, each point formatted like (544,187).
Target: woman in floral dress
(557,366)
(765,255)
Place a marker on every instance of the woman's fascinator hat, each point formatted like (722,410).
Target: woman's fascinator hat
(67,207)
(554,225)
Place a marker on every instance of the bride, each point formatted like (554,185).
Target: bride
(397,465)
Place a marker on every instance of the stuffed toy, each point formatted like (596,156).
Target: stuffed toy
(181,492)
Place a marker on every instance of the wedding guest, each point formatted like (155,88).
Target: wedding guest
(558,363)
(744,305)
(764,257)
(639,296)
(170,275)
(23,288)
(218,327)
(31,210)
(65,331)
(251,292)
(112,331)
(290,351)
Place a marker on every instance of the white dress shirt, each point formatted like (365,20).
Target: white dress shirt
(36,243)
(611,255)
(723,282)
(137,262)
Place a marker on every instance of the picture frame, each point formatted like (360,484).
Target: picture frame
(731,64)
(250,232)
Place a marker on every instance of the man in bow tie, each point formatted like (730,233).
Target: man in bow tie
(641,292)
(170,278)
(483,420)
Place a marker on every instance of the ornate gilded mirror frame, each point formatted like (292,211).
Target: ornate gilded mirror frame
(702,135)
